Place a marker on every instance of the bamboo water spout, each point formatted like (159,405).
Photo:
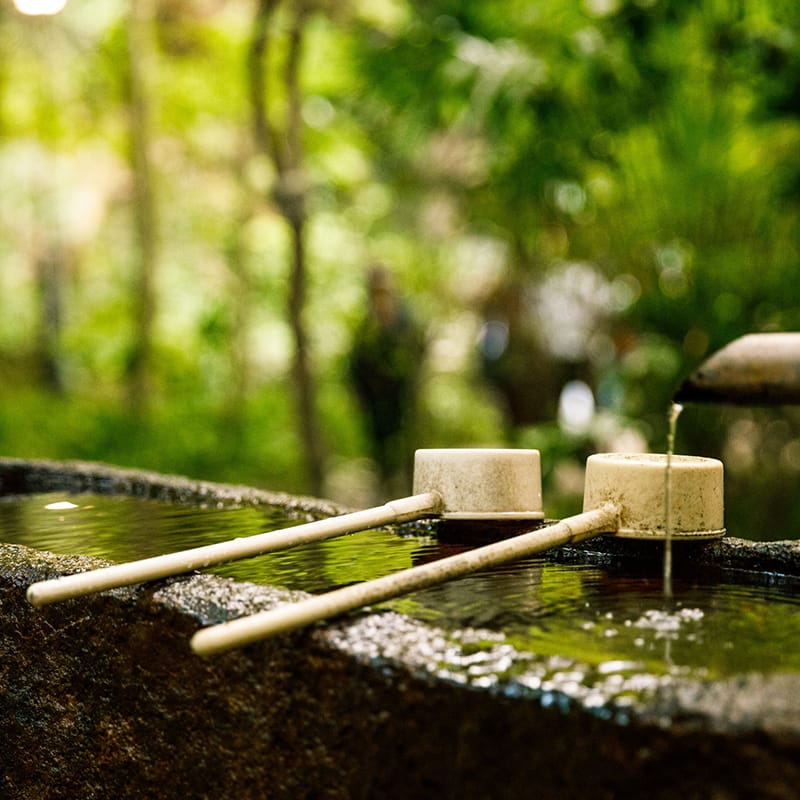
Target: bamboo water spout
(757,369)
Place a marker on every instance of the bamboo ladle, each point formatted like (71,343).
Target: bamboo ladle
(457,484)
(624,494)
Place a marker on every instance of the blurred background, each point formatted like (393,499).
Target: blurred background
(285,243)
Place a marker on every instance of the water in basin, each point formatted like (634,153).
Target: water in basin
(589,614)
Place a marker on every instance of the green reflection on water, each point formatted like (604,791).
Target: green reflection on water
(126,529)
(705,630)
(580,611)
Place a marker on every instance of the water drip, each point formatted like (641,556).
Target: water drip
(674,413)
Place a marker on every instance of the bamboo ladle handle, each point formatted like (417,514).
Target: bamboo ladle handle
(249,629)
(149,569)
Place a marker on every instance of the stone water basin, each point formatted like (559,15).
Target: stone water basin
(539,673)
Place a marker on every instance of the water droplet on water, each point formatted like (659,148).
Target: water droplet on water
(60,506)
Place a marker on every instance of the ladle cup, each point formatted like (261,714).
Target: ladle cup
(463,484)
(624,494)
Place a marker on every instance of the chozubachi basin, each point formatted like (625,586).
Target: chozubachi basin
(571,674)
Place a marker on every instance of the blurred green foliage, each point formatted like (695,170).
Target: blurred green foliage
(616,181)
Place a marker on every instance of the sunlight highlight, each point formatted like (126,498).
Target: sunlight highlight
(40,7)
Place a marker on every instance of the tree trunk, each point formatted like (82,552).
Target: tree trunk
(301,370)
(50,266)
(283,146)
(140,365)
(241,291)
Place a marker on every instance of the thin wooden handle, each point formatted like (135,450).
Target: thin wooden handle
(252,628)
(148,569)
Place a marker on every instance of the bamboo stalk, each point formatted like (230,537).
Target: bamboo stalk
(252,628)
(148,569)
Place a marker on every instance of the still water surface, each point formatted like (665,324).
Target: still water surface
(705,629)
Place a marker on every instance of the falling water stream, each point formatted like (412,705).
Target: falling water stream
(674,413)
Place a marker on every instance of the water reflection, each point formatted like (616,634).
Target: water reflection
(590,614)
